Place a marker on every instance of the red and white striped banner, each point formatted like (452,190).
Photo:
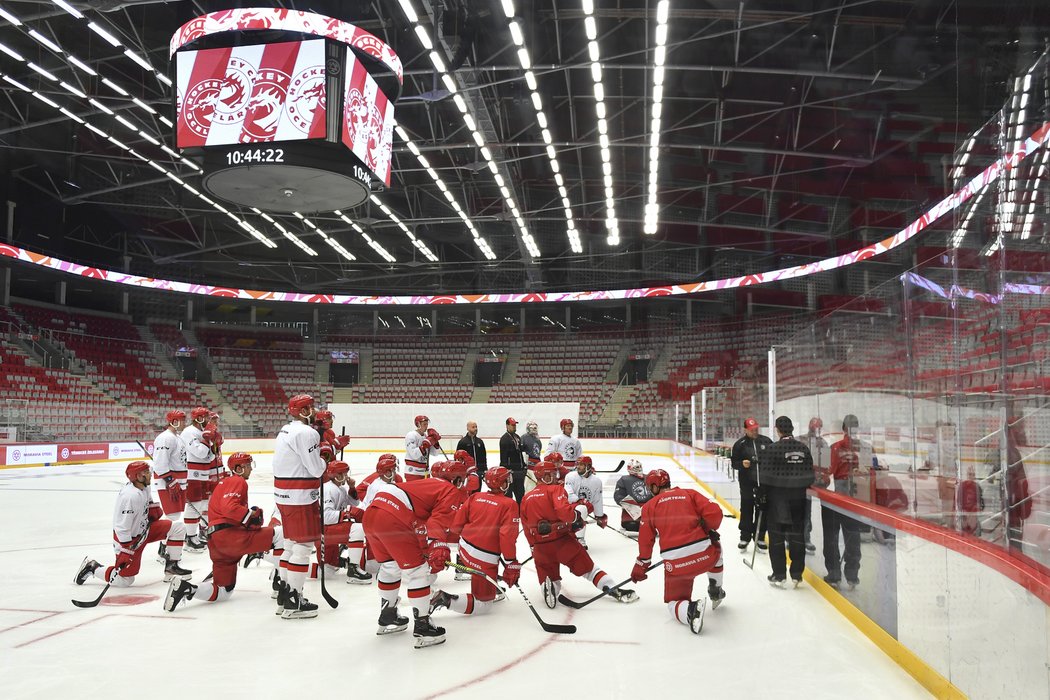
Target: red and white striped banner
(251,94)
(368,120)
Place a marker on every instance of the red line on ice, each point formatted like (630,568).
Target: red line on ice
(61,631)
(29,622)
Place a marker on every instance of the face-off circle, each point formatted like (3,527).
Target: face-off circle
(306,94)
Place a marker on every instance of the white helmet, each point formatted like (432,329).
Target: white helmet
(532,428)
(634,467)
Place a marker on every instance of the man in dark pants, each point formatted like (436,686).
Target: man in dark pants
(511,456)
(845,463)
(744,459)
(787,471)
(476,447)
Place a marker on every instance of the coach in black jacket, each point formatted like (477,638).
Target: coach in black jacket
(787,471)
(745,460)
(476,447)
(511,456)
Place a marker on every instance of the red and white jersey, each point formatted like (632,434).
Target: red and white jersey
(487,524)
(131,513)
(169,459)
(199,456)
(586,489)
(297,465)
(228,504)
(547,502)
(336,500)
(364,487)
(416,459)
(568,446)
(675,516)
(441,526)
(417,501)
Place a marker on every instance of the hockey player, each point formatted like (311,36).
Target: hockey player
(687,525)
(419,445)
(169,469)
(583,486)
(392,523)
(199,460)
(299,460)
(386,471)
(342,519)
(630,494)
(488,526)
(137,521)
(237,530)
(323,421)
(473,482)
(212,437)
(566,444)
(531,442)
(549,521)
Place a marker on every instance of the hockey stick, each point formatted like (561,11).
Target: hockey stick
(610,471)
(754,550)
(342,432)
(615,529)
(112,577)
(547,626)
(332,602)
(576,606)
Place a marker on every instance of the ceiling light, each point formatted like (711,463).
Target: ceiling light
(523,57)
(77,63)
(435,58)
(139,60)
(43,72)
(143,105)
(69,8)
(530,79)
(112,40)
(164,79)
(536,101)
(410,12)
(98,105)
(45,100)
(424,38)
(45,41)
(516,35)
(114,87)
(10,17)
(12,53)
(592,50)
(591,28)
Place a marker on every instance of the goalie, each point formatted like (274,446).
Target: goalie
(630,494)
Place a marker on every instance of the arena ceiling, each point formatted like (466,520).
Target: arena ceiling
(782,127)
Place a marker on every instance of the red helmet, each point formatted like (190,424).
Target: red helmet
(634,467)
(175,415)
(136,468)
(657,477)
(239,459)
(556,458)
(546,468)
(336,467)
(587,464)
(200,414)
(324,418)
(566,422)
(386,467)
(464,457)
(815,424)
(498,479)
(449,471)
(299,403)
(420,419)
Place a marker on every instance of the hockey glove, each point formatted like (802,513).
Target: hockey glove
(578,523)
(438,556)
(125,557)
(715,537)
(341,441)
(639,573)
(424,446)
(353,514)
(254,520)
(434,437)
(511,572)
(155,512)
(327,453)
(208,437)
(602,520)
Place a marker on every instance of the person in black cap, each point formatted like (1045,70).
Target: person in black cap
(512,456)
(744,459)
(787,471)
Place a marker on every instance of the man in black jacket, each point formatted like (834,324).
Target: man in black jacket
(745,460)
(476,447)
(511,456)
(787,471)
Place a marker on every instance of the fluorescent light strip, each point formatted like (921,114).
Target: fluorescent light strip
(435,58)
(652,207)
(423,248)
(110,39)
(372,243)
(41,39)
(12,53)
(68,8)
(612,223)
(10,17)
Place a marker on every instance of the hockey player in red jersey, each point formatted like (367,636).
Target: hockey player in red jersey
(687,524)
(299,460)
(550,523)
(237,530)
(488,526)
(199,460)
(137,521)
(393,522)
(342,520)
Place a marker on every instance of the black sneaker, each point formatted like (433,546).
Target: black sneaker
(426,634)
(178,591)
(297,607)
(775,580)
(86,570)
(717,594)
(390,621)
(355,575)
(174,571)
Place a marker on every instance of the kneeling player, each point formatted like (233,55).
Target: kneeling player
(488,523)
(137,521)
(342,520)
(631,494)
(686,523)
(550,522)
(583,486)
(236,530)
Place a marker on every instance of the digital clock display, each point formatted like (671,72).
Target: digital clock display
(255,155)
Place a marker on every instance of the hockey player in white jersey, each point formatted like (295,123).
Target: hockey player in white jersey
(137,521)
(199,467)
(584,489)
(420,444)
(342,519)
(169,470)
(569,447)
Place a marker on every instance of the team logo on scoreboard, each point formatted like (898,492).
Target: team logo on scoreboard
(219,100)
(369,44)
(305,95)
(363,120)
(266,105)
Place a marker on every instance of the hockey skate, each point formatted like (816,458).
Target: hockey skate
(550,593)
(249,558)
(389,620)
(622,595)
(440,599)
(762,546)
(178,591)
(852,585)
(695,615)
(282,596)
(833,581)
(717,594)
(743,545)
(426,634)
(797,582)
(173,571)
(86,570)
(775,580)
(500,596)
(297,607)
(195,545)
(461,576)
(355,575)
(162,553)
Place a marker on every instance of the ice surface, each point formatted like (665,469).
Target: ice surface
(762,642)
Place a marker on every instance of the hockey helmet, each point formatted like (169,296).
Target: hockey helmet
(175,415)
(299,403)
(566,422)
(335,467)
(555,458)
(324,418)
(450,471)
(386,467)
(200,414)
(239,460)
(532,428)
(634,467)
(498,479)
(657,477)
(584,466)
(136,468)
(421,419)
(546,469)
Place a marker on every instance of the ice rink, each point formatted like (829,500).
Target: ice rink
(762,642)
